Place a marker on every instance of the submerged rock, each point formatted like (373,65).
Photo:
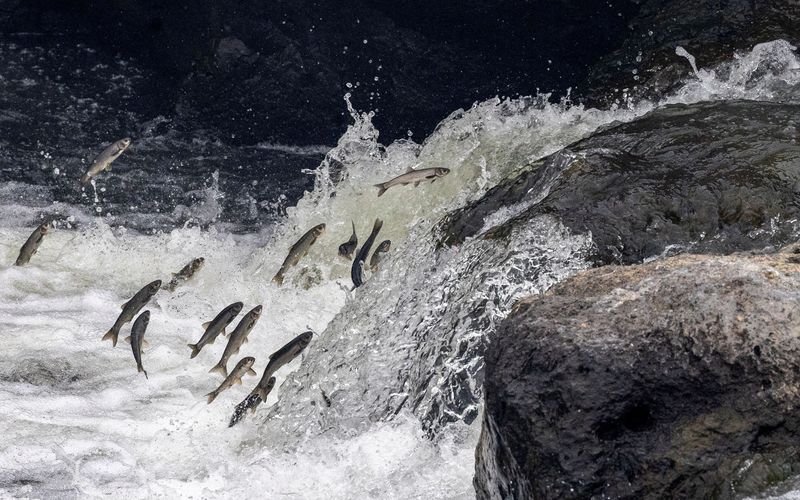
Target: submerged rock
(708,177)
(674,379)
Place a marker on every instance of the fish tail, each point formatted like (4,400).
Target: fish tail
(381,189)
(85,179)
(220,368)
(278,279)
(142,370)
(378,225)
(195,350)
(211,396)
(112,336)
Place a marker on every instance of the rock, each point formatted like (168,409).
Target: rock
(674,379)
(646,66)
(708,177)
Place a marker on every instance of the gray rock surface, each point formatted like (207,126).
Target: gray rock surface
(674,379)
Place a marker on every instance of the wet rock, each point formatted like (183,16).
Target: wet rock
(673,379)
(708,177)
(646,64)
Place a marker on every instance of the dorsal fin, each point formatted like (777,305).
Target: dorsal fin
(206,325)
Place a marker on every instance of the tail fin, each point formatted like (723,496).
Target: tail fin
(141,369)
(112,336)
(195,350)
(381,189)
(278,279)
(220,368)
(211,396)
(378,225)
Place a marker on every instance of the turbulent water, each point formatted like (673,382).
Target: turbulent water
(383,403)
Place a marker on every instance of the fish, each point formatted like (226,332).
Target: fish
(131,309)
(136,339)
(105,159)
(347,248)
(32,243)
(298,251)
(185,274)
(251,402)
(236,339)
(357,270)
(379,254)
(281,357)
(216,326)
(244,366)
(413,177)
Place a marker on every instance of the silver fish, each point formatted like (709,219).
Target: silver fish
(298,251)
(105,159)
(379,254)
(136,338)
(244,366)
(32,243)
(185,274)
(281,357)
(237,338)
(347,248)
(216,326)
(357,270)
(131,309)
(413,177)
(250,403)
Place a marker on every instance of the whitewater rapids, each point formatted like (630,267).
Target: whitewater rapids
(78,420)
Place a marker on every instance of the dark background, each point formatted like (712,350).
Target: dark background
(276,71)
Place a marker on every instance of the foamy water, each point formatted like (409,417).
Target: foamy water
(78,420)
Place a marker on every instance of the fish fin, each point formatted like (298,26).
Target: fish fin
(145,343)
(354,226)
(245,341)
(434,180)
(112,335)
(238,381)
(108,168)
(142,370)
(250,371)
(416,184)
(211,396)
(127,339)
(205,325)
(381,189)
(278,279)
(221,369)
(123,305)
(410,169)
(223,333)
(195,350)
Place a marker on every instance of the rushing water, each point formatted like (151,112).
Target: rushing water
(398,360)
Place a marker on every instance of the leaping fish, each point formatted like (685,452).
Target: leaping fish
(298,251)
(357,269)
(244,366)
(347,248)
(185,274)
(106,158)
(236,339)
(251,402)
(379,255)
(131,309)
(32,243)
(413,177)
(136,338)
(216,326)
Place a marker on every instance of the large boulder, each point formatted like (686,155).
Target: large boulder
(714,177)
(674,379)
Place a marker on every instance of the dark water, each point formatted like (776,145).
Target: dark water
(62,102)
